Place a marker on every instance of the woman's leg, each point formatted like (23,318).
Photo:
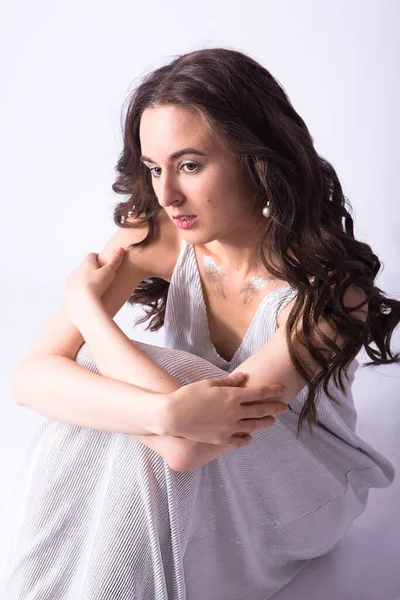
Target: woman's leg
(96,514)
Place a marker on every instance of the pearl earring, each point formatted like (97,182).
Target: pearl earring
(266,211)
(385,309)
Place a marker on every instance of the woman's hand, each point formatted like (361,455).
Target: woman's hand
(88,282)
(218,411)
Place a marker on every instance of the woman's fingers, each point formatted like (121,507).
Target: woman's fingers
(115,259)
(251,394)
(240,440)
(116,256)
(233,379)
(91,256)
(251,425)
(259,410)
(254,394)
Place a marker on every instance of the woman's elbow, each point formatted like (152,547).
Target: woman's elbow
(180,457)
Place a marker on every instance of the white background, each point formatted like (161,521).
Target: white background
(66,69)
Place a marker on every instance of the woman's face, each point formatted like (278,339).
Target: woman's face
(203,180)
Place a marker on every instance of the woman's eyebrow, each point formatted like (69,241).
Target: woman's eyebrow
(176,155)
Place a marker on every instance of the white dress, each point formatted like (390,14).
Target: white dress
(97,515)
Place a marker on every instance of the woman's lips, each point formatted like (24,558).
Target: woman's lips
(185,223)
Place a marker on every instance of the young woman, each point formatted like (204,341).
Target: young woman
(157,473)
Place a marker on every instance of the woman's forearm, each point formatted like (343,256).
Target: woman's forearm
(62,390)
(117,356)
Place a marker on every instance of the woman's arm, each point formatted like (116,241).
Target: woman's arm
(62,390)
(50,382)
(275,354)
(116,355)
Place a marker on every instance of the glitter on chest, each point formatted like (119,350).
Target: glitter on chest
(253,285)
(216,274)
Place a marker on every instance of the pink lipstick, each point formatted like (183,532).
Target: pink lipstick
(185,222)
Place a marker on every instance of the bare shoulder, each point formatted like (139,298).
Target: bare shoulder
(158,259)
(61,337)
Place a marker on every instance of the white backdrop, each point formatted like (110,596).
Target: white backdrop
(66,69)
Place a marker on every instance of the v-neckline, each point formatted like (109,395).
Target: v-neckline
(204,309)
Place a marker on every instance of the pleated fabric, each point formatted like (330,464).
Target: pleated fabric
(97,515)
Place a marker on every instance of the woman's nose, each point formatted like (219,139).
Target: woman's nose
(168,192)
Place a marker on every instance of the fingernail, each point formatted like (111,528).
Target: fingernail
(119,250)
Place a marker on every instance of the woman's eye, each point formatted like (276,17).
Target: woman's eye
(192,167)
(153,173)
(190,164)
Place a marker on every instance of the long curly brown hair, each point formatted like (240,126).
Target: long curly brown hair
(310,229)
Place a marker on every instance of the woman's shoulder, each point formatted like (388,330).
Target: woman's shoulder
(159,258)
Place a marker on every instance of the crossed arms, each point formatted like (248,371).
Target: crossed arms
(119,358)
